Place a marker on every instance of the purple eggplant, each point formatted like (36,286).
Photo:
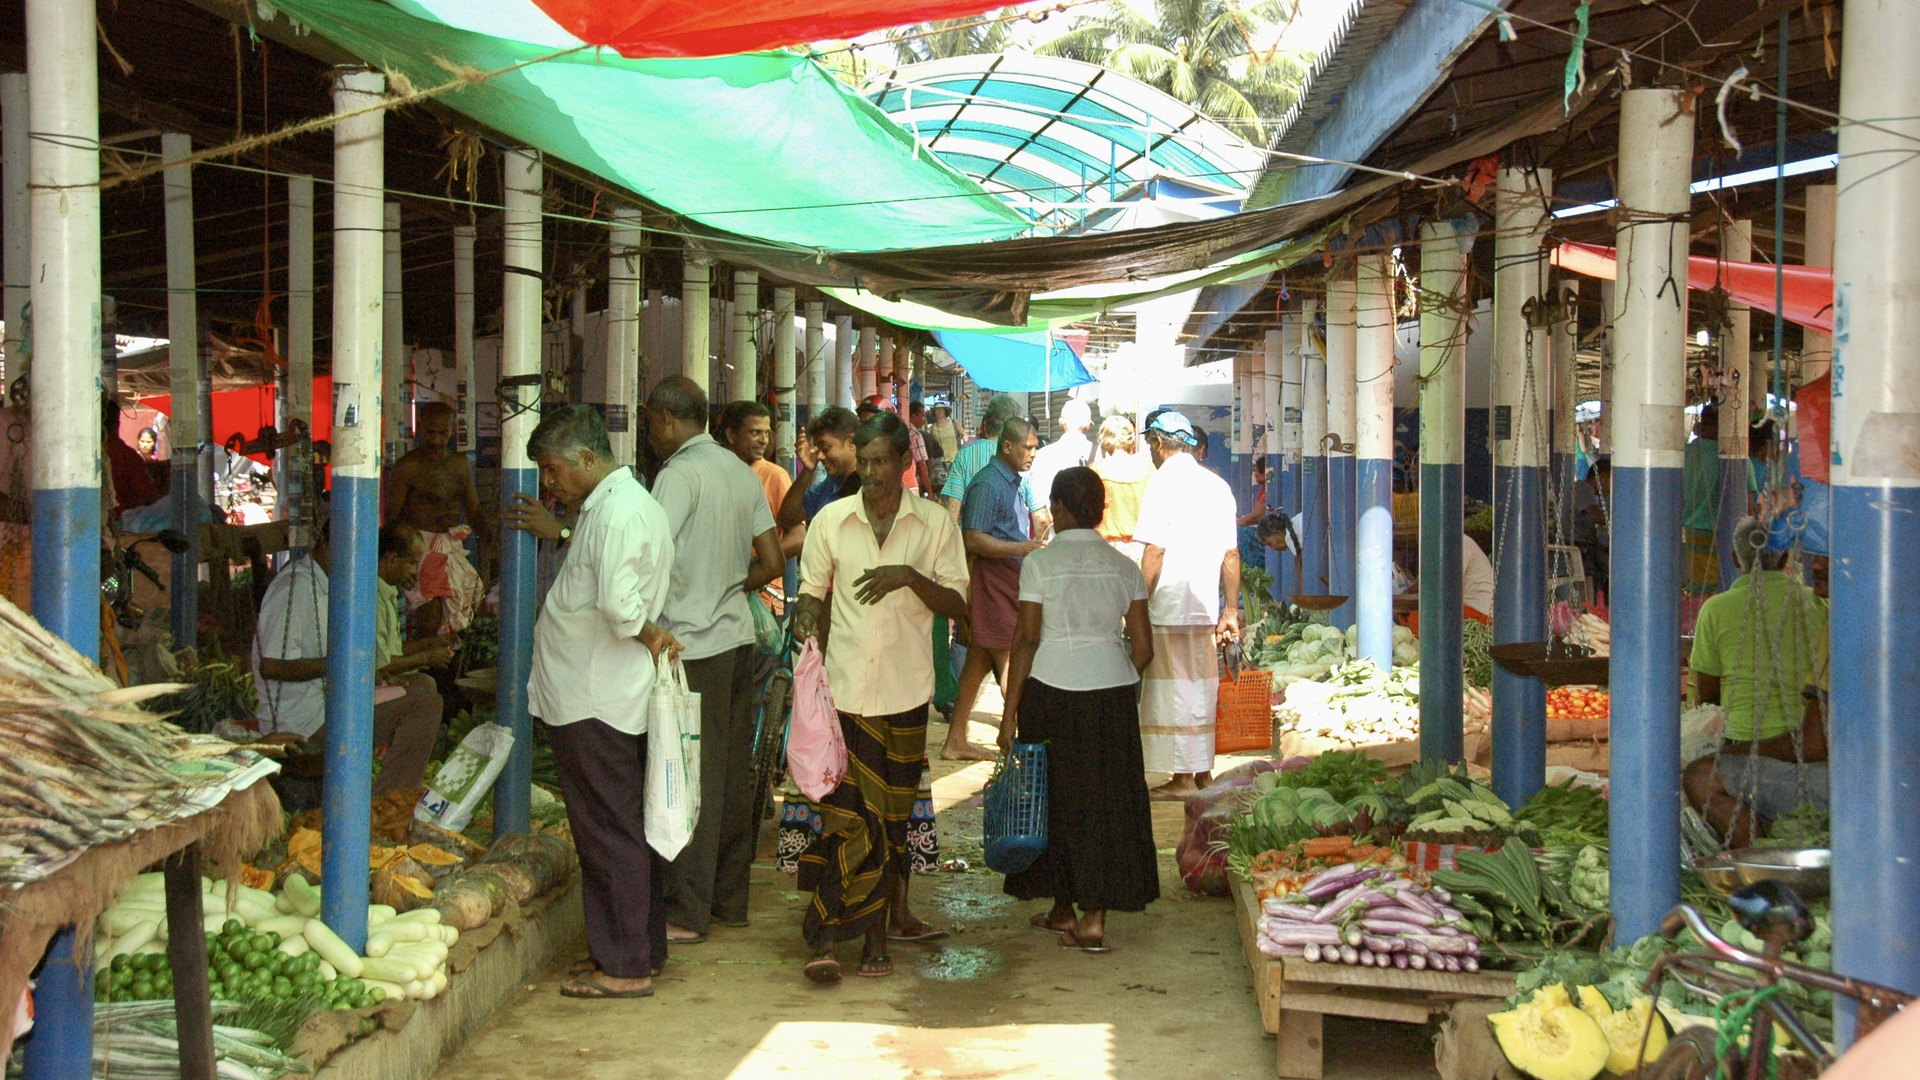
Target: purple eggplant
(1417,961)
(1469,965)
(1280,909)
(1382,944)
(1292,933)
(1402,960)
(1440,943)
(1391,921)
(1329,881)
(1351,935)
(1348,954)
(1440,894)
(1367,959)
(1311,954)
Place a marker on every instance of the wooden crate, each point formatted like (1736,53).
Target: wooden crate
(1294,996)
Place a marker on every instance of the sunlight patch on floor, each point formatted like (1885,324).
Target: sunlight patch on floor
(801,1050)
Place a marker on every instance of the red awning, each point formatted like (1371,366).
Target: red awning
(1808,290)
(640,28)
(245,411)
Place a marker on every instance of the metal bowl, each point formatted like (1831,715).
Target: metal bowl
(1718,872)
(1806,870)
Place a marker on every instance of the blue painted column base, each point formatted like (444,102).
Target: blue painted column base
(1875,739)
(1289,505)
(346,800)
(60,1046)
(66,565)
(1733,507)
(1341,527)
(1442,494)
(513,791)
(1644,751)
(1373,559)
(1313,527)
(1519,615)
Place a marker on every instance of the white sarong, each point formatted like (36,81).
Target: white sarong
(1178,694)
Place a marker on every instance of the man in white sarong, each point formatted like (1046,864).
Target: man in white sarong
(1191,561)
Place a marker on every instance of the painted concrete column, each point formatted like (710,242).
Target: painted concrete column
(884,368)
(1244,409)
(1609,311)
(1522,400)
(1267,365)
(845,379)
(696,306)
(359,282)
(63,112)
(396,390)
(869,362)
(293,462)
(186,430)
(466,439)
(746,326)
(1649,429)
(1876,499)
(1341,297)
(1373,459)
(817,361)
(13,205)
(626,255)
(783,378)
(1816,346)
(1566,401)
(1443,438)
(1313,456)
(1736,365)
(1284,485)
(520,235)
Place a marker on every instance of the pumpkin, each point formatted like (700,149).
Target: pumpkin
(1549,1039)
(1624,1030)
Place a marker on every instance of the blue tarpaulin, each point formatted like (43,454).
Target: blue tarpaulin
(1020,363)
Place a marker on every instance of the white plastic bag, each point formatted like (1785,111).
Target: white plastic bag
(673,761)
(465,779)
(816,749)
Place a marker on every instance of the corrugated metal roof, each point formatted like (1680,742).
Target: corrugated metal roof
(1365,25)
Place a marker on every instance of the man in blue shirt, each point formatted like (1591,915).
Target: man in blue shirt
(974,456)
(829,444)
(997,528)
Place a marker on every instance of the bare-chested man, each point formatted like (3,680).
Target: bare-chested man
(431,488)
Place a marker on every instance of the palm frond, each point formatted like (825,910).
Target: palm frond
(1151,64)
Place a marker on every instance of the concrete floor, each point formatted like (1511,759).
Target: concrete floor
(996,1000)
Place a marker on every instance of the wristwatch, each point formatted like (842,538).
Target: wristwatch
(566,534)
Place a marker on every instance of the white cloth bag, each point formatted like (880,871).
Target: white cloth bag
(673,761)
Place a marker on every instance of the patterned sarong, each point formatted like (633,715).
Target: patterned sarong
(863,843)
(1178,694)
(445,574)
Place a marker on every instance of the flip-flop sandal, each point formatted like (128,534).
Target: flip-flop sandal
(1070,940)
(1039,922)
(875,967)
(823,970)
(588,967)
(591,988)
(923,933)
(697,939)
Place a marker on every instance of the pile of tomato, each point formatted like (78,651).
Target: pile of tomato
(1576,703)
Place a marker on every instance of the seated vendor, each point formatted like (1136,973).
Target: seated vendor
(1763,661)
(290,661)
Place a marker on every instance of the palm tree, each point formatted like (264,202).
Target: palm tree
(1200,51)
(951,37)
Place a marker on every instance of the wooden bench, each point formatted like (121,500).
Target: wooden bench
(1294,995)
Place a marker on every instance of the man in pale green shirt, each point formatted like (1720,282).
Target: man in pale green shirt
(402,549)
(1756,656)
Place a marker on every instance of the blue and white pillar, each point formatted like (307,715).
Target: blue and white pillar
(396,393)
(1566,400)
(814,367)
(14,150)
(1736,365)
(296,464)
(1374,328)
(785,377)
(466,439)
(626,250)
(64,203)
(1312,506)
(187,428)
(359,271)
(1246,411)
(1522,400)
(519,356)
(1443,437)
(1286,478)
(1876,503)
(1342,294)
(1648,432)
(1271,365)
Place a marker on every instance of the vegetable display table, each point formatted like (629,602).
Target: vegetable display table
(1295,995)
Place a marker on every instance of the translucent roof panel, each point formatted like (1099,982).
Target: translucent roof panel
(1050,134)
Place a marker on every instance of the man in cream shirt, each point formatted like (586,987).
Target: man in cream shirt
(594,648)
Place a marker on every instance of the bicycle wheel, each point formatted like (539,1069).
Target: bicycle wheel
(770,741)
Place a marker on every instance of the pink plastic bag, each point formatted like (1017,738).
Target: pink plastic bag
(816,751)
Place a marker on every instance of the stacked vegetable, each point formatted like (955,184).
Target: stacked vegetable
(1548,1037)
(1507,898)
(1450,807)
(1359,705)
(1567,815)
(138,1040)
(1353,914)
(1285,870)
(1577,703)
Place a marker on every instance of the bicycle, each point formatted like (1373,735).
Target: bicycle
(770,727)
(1775,914)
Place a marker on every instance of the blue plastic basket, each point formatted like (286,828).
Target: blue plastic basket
(1016,809)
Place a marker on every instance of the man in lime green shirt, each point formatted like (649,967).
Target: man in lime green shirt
(1755,656)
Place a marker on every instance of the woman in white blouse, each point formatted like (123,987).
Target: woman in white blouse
(1073,683)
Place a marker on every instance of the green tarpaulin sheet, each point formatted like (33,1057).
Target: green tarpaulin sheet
(763,144)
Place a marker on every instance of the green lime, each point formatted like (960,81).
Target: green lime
(143,990)
(274,939)
(254,961)
(378,994)
(234,926)
(121,963)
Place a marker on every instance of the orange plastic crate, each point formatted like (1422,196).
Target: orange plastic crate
(1244,717)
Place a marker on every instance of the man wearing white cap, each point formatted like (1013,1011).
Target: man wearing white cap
(1192,566)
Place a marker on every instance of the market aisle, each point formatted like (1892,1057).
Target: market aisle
(998,999)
